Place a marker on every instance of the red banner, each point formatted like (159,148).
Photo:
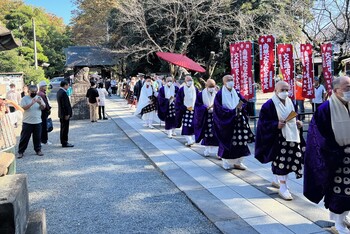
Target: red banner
(308,72)
(286,62)
(235,64)
(267,62)
(327,61)
(246,70)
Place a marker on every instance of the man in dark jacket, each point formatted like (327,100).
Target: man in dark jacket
(138,86)
(64,113)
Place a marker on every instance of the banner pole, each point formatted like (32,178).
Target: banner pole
(274,39)
(254,87)
(294,78)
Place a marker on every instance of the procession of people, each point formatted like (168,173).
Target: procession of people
(218,120)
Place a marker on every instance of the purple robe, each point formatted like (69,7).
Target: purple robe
(322,158)
(180,110)
(224,123)
(203,121)
(267,134)
(163,109)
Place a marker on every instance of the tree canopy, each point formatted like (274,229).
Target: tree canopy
(51,33)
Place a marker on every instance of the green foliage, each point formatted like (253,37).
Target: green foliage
(51,34)
(11,62)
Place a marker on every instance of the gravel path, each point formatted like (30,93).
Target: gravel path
(105,185)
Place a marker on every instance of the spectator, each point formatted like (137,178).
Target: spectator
(32,105)
(102,92)
(44,112)
(64,113)
(25,91)
(320,93)
(298,96)
(108,85)
(114,86)
(92,99)
(14,96)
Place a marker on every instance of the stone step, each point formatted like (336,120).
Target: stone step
(37,222)
(14,206)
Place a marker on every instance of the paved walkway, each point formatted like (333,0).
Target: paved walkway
(235,201)
(105,185)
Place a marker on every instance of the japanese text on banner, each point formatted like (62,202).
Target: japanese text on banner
(308,73)
(267,62)
(327,60)
(246,70)
(286,62)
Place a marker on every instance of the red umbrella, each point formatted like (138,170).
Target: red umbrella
(181,61)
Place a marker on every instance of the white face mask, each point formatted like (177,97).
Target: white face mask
(282,95)
(169,83)
(189,83)
(229,84)
(148,83)
(211,90)
(346,96)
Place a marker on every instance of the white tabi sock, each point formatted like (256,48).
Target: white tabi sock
(169,133)
(339,220)
(283,187)
(192,139)
(206,151)
(188,139)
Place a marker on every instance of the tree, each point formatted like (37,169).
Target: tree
(330,22)
(11,62)
(280,18)
(90,21)
(52,36)
(152,25)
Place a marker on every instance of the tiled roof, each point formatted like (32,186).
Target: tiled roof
(89,56)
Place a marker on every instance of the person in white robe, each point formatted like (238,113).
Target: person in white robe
(147,104)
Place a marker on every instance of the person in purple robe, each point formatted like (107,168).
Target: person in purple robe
(166,106)
(279,139)
(231,126)
(184,108)
(327,156)
(203,118)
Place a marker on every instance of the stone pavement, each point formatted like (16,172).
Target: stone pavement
(235,201)
(105,185)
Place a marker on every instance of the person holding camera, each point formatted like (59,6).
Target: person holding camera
(32,105)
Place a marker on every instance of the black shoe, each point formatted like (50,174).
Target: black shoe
(67,145)
(105,118)
(100,118)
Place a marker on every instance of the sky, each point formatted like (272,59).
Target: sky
(60,8)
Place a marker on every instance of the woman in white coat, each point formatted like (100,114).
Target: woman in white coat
(102,92)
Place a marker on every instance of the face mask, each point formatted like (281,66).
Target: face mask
(170,83)
(210,90)
(346,96)
(148,83)
(32,95)
(229,84)
(283,95)
(189,83)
